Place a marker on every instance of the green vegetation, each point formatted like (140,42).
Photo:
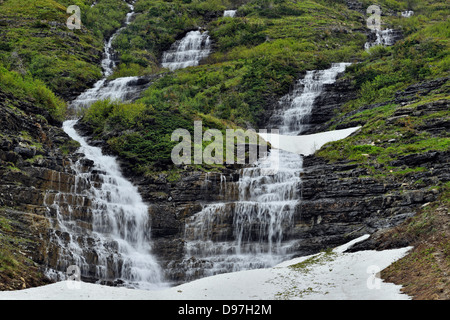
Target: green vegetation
(17,271)
(421,56)
(315,260)
(34,40)
(256,59)
(258,56)
(25,87)
(424,272)
(141,134)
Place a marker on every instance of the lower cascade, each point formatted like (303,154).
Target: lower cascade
(260,219)
(264,215)
(117,249)
(382,37)
(101,224)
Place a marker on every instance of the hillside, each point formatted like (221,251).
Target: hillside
(389,179)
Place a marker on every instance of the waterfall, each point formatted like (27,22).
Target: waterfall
(298,105)
(118,89)
(382,37)
(101,222)
(260,220)
(263,217)
(122,89)
(118,242)
(230,13)
(108,62)
(187,52)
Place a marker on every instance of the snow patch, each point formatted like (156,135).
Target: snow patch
(333,275)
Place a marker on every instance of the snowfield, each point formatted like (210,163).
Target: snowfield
(333,275)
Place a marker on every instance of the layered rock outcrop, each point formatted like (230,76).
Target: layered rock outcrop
(35,157)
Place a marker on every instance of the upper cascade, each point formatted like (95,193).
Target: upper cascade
(230,13)
(187,52)
(297,105)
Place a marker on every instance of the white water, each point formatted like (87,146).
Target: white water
(120,236)
(263,216)
(108,62)
(383,37)
(229,13)
(102,224)
(260,218)
(187,52)
(118,89)
(297,106)
(121,89)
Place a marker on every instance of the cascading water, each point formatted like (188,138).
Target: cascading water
(264,214)
(187,52)
(383,37)
(101,222)
(297,106)
(118,89)
(122,89)
(260,219)
(119,242)
(230,13)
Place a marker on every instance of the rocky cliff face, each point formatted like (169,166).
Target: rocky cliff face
(34,161)
(343,199)
(339,200)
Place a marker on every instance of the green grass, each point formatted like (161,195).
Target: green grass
(36,41)
(25,87)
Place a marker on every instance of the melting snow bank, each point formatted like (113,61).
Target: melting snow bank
(335,275)
(306,144)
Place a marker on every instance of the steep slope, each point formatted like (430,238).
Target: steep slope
(401,156)
(35,39)
(38,54)
(34,159)
(376,179)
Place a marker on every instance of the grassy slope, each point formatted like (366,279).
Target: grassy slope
(255,61)
(424,272)
(37,54)
(35,40)
(17,271)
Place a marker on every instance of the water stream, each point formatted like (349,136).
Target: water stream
(101,222)
(229,13)
(187,52)
(117,246)
(263,216)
